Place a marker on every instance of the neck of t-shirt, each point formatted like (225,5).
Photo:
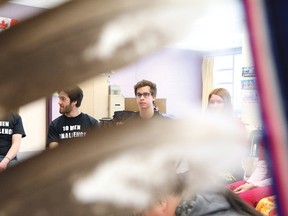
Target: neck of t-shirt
(73,113)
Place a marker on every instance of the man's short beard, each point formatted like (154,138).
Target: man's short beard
(66,109)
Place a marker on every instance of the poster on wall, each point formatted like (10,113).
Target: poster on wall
(250,97)
(248,72)
(249,84)
(6,23)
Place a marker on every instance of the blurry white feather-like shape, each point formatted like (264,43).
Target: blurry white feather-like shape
(205,144)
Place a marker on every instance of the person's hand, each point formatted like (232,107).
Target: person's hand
(3,165)
(245,187)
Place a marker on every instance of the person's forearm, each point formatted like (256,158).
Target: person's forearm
(14,149)
(11,154)
(260,173)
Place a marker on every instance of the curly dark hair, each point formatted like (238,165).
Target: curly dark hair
(142,83)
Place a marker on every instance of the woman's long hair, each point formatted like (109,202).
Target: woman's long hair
(225,95)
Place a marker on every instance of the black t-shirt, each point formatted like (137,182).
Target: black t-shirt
(157,115)
(8,127)
(65,127)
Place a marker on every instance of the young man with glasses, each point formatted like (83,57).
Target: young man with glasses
(145,92)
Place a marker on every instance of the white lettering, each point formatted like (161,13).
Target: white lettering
(6,131)
(65,128)
(75,127)
(4,123)
(72,135)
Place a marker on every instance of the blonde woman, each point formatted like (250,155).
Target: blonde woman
(219,100)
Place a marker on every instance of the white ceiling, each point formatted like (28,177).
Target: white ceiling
(39,3)
(220,27)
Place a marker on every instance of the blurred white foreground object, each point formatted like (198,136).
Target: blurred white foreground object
(206,145)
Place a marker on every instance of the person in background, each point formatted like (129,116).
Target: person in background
(219,201)
(258,185)
(72,123)
(146,92)
(219,101)
(216,203)
(11,134)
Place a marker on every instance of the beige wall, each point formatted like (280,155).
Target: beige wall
(95,101)
(34,121)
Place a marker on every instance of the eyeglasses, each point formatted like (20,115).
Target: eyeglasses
(145,95)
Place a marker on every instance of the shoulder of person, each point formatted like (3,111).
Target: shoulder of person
(14,116)
(162,115)
(214,203)
(90,118)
